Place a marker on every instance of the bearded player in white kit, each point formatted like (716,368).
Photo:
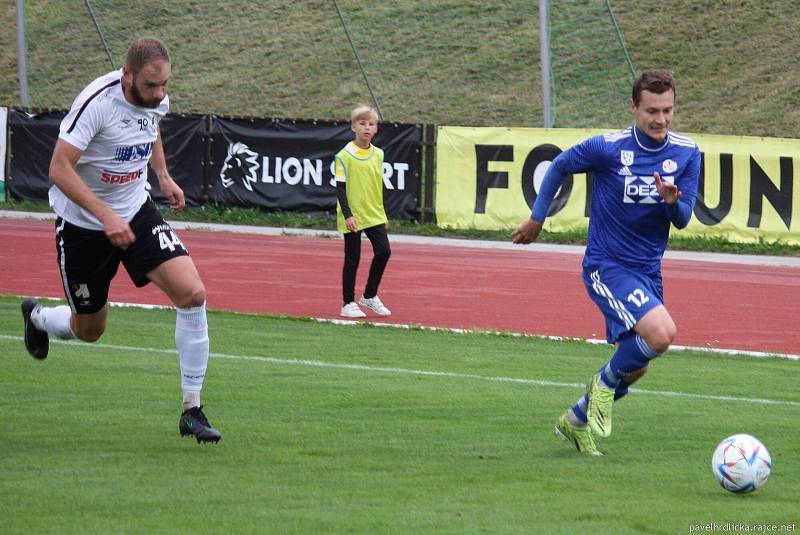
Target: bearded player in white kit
(105,216)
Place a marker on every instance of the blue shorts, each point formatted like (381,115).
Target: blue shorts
(624,296)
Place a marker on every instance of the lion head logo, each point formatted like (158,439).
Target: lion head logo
(240,165)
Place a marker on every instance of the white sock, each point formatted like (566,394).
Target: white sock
(54,321)
(191,338)
(191,398)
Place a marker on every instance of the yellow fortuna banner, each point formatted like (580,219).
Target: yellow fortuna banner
(487,178)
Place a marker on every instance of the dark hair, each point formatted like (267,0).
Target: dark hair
(143,51)
(656,81)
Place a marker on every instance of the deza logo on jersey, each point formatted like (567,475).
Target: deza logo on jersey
(642,189)
(247,168)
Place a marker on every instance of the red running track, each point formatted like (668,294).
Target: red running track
(715,305)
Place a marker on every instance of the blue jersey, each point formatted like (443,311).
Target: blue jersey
(629,222)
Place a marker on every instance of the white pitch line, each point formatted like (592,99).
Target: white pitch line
(594,341)
(409,371)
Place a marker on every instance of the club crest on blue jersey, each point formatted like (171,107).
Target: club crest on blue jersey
(626,157)
(642,189)
(669,166)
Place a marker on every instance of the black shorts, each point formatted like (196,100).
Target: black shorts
(88,260)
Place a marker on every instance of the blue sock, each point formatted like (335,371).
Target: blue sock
(632,354)
(607,376)
(621,391)
(579,409)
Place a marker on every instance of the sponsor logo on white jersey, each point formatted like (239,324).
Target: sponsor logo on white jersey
(669,166)
(133,153)
(626,157)
(240,165)
(118,179)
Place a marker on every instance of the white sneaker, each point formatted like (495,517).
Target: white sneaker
(351,310)
(375,305)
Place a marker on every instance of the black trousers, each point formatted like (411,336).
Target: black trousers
(352,256)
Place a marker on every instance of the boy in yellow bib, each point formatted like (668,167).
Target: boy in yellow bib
(359,191)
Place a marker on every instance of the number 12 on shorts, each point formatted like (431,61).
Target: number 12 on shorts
(168,240)
(637,297)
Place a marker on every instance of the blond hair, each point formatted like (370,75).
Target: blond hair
(362,110)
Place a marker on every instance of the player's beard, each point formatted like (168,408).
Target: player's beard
(139,99)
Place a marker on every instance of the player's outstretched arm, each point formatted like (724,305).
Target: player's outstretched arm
(567,162)
(63,175)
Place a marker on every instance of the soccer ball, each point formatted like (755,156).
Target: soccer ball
(741,463)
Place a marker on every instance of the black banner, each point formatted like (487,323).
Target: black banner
(287,165)
(30,147)
(33,137)
(184,139)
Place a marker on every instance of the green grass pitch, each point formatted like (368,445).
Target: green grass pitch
(357,429)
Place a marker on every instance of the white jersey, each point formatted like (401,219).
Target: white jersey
(117,141)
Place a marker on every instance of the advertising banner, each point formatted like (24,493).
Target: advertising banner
(749,189)
(184,142)
(3,137)
(288,165)
(33,137)
(488,178)
(31,141)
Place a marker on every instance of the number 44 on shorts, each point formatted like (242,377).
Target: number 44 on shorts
(168,240)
